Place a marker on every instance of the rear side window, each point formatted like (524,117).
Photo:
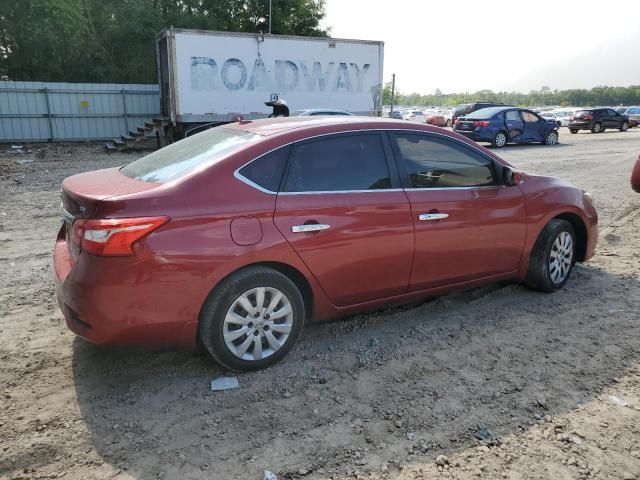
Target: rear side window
(434,163)
(529,117)
(266,171)
(513,115)
(344,162)
(186,156)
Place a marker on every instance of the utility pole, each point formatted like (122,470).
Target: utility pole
(270,17)
(393,91)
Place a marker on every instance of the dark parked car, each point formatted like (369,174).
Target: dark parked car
(467,108)
(598,120)
(241,234)
(501,125)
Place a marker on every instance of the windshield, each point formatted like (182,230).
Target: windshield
(461,108)
(188,155)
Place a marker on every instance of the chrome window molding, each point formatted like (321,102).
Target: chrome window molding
(68,217)
(252,184)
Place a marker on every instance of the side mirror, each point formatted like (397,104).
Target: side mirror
(510,178)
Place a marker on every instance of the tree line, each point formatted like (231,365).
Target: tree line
(114,40)
(545,96)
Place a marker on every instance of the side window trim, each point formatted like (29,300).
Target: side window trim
(404,174)
(294,145)
(239,176)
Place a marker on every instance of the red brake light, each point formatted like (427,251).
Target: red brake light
(588,117)
(481,123)
(113,236)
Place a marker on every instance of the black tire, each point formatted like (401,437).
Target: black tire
(597,128)
(573,131)
(211,323)
(624,127)
(448,124)
(539,274)
(552,138)
(500,139)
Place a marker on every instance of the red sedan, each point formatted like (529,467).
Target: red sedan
(239,235)
(635,176)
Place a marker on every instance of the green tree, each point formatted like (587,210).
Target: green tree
(114,40)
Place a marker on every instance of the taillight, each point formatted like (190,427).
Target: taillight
(588,117)
(481,123)
(113,236)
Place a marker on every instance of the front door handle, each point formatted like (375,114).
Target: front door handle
(432,216)
(309,227)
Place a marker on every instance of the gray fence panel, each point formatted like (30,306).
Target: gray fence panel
(39,111)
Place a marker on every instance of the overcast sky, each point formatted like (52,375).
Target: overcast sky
(467,45)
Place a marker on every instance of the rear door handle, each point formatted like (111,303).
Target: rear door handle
(432,216)
(309,227)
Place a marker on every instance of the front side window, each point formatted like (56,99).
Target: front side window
(529,117)
(613,113)
(434,163)
(266,171)
(186,156)
(338,163)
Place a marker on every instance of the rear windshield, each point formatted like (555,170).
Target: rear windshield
(186,156)
(582,113)
(486,112)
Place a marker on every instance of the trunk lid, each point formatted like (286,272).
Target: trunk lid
(83,193)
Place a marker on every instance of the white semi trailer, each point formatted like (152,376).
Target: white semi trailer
(213,77)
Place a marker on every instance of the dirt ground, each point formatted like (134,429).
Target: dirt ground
(503,381)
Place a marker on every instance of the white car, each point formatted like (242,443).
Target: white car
(563,116)
(416,116)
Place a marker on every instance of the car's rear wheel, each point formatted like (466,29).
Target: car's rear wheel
(252,319)
(624,127)
(500,139)
(573,130)
(553,257)
(551,138)
(448,124)
(597,127)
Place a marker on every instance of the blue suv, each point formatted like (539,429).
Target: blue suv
(501,125)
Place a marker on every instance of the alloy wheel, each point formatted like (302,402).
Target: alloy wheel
(501,140)
(561,257)
(258,323)
(552,138)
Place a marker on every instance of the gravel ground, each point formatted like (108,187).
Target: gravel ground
(496,382)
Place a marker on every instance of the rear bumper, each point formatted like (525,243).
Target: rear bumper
(580,125)
(475,135)
(108,301)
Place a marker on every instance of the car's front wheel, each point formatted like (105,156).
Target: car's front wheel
(448,124)
(551,138)
(252,319)
(499,140)
(624,127)
(553,257)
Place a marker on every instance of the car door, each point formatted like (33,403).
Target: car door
(514,124)
(614,120)
(468,225)
(342,209)
(533,127)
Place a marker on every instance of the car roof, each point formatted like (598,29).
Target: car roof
(272,126)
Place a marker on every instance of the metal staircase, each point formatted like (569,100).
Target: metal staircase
(156,127)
